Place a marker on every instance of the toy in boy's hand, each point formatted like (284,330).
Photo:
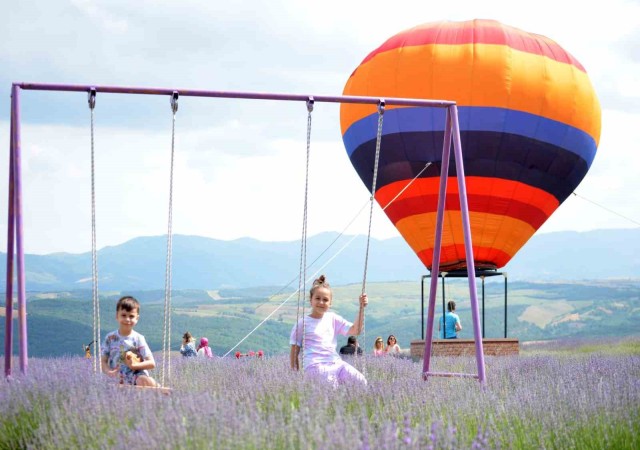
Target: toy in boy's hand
(131,356)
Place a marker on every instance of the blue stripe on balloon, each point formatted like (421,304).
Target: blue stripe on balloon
(501,120)
(486,154)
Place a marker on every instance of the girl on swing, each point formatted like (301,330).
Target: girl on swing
(321,329)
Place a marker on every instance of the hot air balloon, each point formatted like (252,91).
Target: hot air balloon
(529,125)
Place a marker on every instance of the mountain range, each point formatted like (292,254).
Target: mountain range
(205,263)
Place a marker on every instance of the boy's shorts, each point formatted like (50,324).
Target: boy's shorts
(131,376)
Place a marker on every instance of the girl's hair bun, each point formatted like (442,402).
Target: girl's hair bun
(319,282)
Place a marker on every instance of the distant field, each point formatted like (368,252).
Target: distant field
(542,315)
(61,322)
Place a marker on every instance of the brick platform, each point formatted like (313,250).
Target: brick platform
(466,347)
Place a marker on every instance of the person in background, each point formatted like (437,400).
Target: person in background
(87,350)
(125,340)
(350,348)
(188,348)
(451,322)
(320,329)
(204,351)
(378,347)
(392,345)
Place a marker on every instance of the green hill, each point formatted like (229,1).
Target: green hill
(60,322)
(204,263)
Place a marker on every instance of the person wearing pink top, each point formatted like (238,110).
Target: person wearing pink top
(204,351)
(317,334)
(378,347)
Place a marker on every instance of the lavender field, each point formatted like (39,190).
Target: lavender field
(569,400)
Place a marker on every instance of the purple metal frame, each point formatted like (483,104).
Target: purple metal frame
(15,230)
(453,128)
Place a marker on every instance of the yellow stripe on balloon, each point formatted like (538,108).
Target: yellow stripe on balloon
(418,231)
(477,75)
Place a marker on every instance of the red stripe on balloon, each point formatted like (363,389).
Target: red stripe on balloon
(476,185)
(412,206)
(477,32)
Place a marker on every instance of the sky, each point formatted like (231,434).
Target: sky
(240,164)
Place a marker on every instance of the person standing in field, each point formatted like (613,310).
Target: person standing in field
(188,347)
(451,322)
(125,352)
(392,346)
(204,351)
(352,347)
(321,328)
(378,347)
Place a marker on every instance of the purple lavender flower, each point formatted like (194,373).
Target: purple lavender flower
(531,401)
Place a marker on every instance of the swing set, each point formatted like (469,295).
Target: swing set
(15,235)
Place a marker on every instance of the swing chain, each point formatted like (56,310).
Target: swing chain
(381,109)
(381,105)
(303,242)
(166,338)
(94,251)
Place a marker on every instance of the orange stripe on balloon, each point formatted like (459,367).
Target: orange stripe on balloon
(500,233)
(477,75)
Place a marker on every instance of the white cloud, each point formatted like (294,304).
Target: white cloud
(100,16)
(608,194)
(216,193)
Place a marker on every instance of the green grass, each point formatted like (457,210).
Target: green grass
(609,346)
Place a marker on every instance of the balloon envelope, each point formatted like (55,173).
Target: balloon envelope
(529,124)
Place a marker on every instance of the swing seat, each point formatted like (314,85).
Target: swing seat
(163,390)
(449,375)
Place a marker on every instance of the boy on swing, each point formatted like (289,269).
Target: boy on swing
(125,353)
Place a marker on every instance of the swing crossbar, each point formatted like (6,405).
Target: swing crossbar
(235,94)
